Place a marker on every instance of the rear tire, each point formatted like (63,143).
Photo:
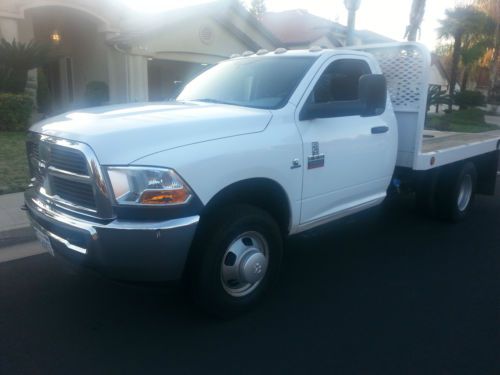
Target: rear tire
(236,261)
(456,193)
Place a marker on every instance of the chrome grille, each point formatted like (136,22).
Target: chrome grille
(68,160)
(72,191)
(61,174)
(34,160)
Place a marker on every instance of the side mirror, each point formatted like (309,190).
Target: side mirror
(373,94)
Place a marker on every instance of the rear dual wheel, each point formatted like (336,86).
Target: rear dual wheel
(448,194)
(456,193)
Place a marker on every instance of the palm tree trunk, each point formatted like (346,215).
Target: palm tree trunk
(416,17)
(457,49)
(465,79)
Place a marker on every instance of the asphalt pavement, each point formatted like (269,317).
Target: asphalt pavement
(385,292)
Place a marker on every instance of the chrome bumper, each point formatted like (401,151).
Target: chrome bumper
(127,250)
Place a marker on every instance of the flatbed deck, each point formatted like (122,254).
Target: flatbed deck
(435,141)
(441,148)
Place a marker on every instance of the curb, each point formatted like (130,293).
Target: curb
(16,236)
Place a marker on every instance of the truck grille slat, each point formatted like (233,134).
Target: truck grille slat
(75,192)
(33,159)
(69,160)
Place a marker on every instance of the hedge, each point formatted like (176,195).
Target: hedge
(15,111)
(467,99)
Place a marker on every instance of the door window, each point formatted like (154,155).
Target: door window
(339,85)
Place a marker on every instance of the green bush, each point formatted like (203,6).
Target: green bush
(15,111)
(467,99)
(96,93)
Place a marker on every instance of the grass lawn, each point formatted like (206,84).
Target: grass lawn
(13,162)
(465,121)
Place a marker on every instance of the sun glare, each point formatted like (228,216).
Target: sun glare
(152,6)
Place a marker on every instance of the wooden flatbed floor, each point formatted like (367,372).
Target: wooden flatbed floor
(436,141)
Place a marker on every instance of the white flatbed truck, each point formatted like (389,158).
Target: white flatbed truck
(257,148)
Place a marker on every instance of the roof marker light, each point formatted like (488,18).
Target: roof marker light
(234,55)
(315,49)
(262,51)
(247,53)
(280,50)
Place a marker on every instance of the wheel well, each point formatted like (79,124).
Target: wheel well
(486,169)
(264,193)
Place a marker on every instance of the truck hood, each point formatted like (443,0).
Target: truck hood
(123,133)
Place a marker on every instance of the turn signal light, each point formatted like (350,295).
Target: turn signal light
(176,196)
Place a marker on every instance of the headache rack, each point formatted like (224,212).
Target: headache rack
(406,67)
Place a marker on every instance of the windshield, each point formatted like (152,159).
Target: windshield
(258,82)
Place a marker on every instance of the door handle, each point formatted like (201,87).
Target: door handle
(380,129)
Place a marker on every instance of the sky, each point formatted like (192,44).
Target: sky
(386,17)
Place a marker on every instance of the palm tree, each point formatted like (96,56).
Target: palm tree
(473,51)
(492,7)
(416,17)
(15,61)
(461,23)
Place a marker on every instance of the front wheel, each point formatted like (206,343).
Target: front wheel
(237,259)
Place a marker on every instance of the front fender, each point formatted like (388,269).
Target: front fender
(210,167)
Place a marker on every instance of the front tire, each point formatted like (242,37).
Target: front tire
(237,259)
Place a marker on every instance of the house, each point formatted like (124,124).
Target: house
(140,57)
(299,29)
(147,57)
(438,75)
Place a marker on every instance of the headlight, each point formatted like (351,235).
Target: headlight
(147,186)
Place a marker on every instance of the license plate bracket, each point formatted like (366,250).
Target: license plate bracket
(44,241)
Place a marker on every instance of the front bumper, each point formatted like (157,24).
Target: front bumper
(125,250)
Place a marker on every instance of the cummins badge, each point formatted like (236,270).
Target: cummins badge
(316,160)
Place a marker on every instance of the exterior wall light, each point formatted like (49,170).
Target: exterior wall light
(55,37)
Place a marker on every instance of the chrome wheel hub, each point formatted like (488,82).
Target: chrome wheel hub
(244,264)
(465,193)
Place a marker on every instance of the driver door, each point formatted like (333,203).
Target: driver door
(348,159)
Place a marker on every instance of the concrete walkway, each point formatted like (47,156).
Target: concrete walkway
(14,224)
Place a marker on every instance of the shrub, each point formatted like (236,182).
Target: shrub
(96,93)
(15,111)
(466,99)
